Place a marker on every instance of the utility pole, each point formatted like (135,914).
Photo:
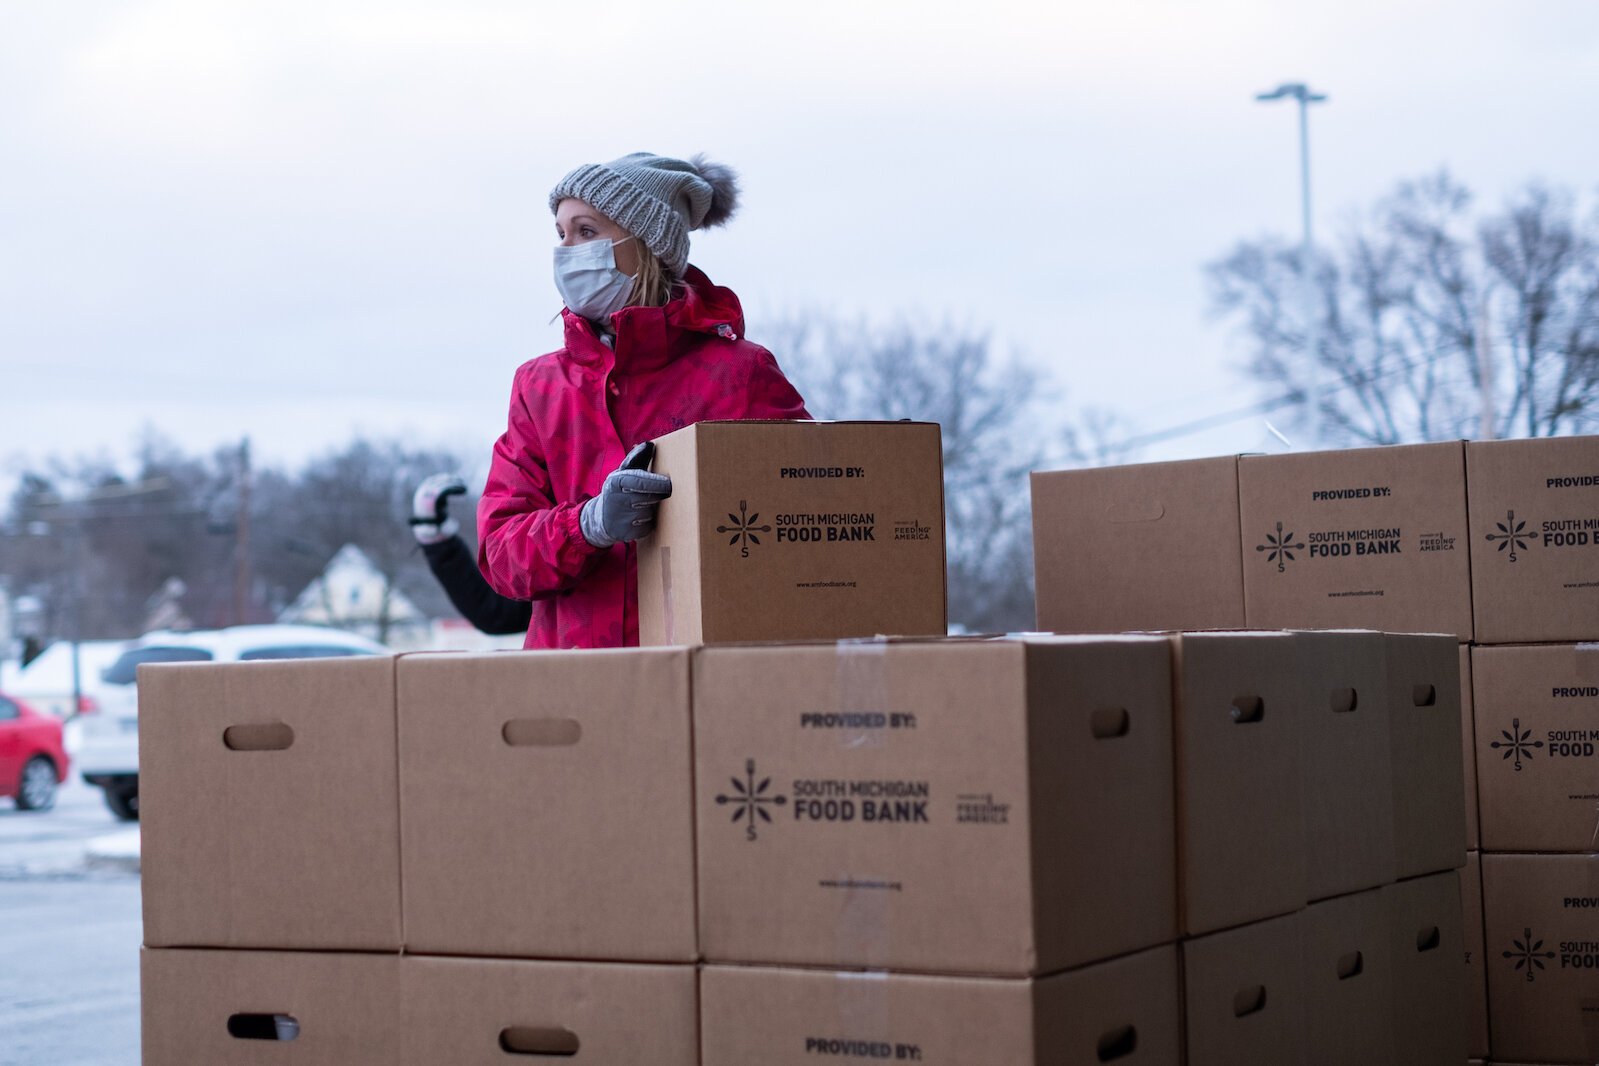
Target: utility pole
(79,563)
(241,540)
(1313,388)
(71,521)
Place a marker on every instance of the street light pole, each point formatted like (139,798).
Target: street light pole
(1313,391)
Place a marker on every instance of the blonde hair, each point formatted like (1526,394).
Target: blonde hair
(653,284)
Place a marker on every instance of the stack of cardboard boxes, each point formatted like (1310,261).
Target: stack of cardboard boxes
(1535,679)
(1212,847)
(545,899)
(1491,542)
(1004,851)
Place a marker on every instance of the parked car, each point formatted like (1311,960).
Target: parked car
(32,760)
(109,739)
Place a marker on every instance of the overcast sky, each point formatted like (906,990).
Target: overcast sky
(302,218)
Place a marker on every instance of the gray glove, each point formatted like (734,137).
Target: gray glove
(430,515)
(625,508)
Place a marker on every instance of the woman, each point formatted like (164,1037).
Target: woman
(651,346)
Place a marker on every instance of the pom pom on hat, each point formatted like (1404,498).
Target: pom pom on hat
(723,181)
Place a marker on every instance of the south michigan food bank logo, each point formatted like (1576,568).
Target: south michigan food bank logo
(1279,548)
(744,528)
(1528,954)
(1517,743)
(1512,535)
(749,800)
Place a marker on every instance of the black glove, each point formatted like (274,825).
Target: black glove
(625,508)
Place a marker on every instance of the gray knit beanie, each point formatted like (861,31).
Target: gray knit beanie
(655,198)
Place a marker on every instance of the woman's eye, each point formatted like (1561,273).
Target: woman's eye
(587,232)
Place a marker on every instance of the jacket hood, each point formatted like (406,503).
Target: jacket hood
(652,336)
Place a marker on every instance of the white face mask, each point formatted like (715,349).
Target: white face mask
(587,279)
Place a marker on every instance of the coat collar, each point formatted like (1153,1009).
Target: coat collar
(651,337)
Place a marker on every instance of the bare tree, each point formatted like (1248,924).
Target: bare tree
(93,544)
(1432,324)
(99,545)
(1100,437)
(361,495)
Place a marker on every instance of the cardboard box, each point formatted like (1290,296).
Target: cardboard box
(245,1007)
(1154,546)
(1125,1011)
(1468,749)
(1244,992)
(1348,769)
(795,531)
(1238,729)
(1429,784)
(1427,937)
(547,804)
(1476,957)
(1543,953)
(957,806)
(1535,539)
(474,1012)
(1538,746)
(1373,538)
(1349,981)
(270,816)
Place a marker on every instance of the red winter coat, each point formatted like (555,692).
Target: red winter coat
(575,413)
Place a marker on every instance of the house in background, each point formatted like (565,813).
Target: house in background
(352,594)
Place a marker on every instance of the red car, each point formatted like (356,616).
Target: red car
(32,760)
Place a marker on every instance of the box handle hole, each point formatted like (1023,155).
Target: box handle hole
(263,1027)
(270,736)
(1249,1001)
(1344,700)
(1247,709)
(539,1040)
(542,732)
(1351,965)
(1111,722)
(1118,1044)
(1424,695)
(1428,939)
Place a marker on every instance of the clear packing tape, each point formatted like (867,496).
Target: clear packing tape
(864,927)
(1593,841)
(1589,1004)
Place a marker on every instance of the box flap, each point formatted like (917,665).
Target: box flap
(296,844)
(311,1008)
(1237,732)
(1147,546)
(477,1012)
(547,804)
